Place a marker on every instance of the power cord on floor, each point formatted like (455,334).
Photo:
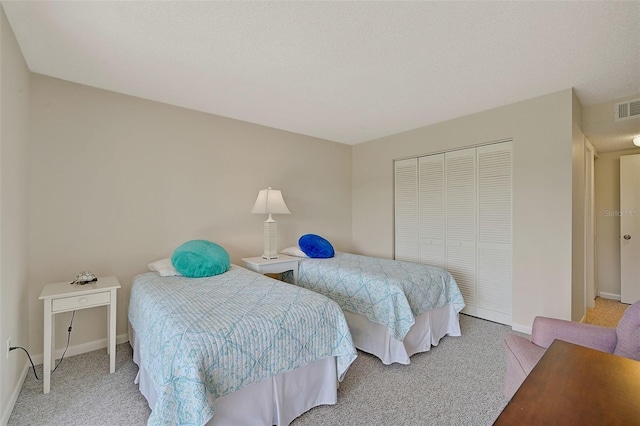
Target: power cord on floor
(63,353)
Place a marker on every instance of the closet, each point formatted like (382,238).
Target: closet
(453,210)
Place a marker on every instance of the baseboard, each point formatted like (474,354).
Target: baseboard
(609,296)
(83,348)
(6,412)
(521,328)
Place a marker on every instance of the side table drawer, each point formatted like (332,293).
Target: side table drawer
(67,303)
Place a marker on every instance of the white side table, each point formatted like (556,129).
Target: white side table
(282,264)
(64,297)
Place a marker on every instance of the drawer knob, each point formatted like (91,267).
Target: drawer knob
(83,300)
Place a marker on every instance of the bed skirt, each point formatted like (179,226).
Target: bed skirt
(427,331)
(274,401)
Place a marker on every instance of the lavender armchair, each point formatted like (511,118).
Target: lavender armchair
(523,355)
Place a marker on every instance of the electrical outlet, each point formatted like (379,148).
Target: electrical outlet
(8,345)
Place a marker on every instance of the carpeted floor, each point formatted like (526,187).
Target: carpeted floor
(606,313)
(459,382)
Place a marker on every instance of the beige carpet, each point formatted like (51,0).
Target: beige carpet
(606,313)
(458,382)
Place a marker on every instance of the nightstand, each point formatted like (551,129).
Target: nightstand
(282,264)
(64,297)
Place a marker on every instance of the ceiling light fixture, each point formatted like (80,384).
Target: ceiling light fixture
(636,141)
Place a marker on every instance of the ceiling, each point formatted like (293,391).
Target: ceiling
(343,71)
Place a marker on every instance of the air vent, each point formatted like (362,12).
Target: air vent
(627,110)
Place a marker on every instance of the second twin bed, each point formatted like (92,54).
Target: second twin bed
(394,309)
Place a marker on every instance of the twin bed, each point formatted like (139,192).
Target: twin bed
(394,309)
(254,350)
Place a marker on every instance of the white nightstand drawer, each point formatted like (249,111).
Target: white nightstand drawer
(79,302)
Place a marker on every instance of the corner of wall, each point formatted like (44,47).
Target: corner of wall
(578,308)
(576,109)
(14,143)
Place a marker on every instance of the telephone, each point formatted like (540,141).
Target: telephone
(84,278)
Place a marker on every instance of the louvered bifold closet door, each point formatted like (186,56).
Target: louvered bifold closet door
(494,233)
(431,216)
(460,183)
(407,244)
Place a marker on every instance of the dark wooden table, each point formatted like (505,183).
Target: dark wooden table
(574,385)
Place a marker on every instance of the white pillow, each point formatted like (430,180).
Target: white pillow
(164,268)
(294,251)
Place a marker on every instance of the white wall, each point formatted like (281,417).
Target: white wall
(117,182)
(578,308)
(607,205)
(542,132)
(14,135)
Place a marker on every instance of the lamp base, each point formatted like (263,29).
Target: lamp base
(270,239)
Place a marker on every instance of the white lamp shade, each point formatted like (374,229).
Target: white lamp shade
(636,141)
(270,201)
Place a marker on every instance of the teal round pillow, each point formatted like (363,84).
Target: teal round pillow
(200,258)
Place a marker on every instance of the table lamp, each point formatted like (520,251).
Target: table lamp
(270,202)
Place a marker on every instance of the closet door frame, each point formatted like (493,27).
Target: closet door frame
(477,254)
